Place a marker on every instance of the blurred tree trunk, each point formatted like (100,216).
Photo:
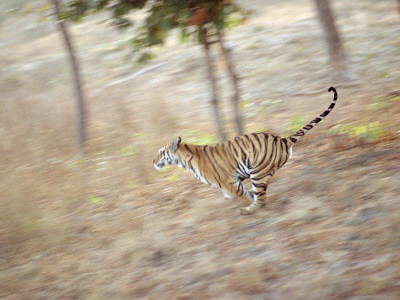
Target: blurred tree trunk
(213,82)
(81,113)
(334,43)
(235,83)
(398,6)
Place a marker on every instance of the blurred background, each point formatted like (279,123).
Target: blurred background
(83,212)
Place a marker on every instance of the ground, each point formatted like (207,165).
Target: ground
(108,225)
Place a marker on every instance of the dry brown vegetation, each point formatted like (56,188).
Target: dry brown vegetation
(108,226)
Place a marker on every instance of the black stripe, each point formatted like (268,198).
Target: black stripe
(284,140)
(255,148)
(260,193)
(325,113)
(274,151)
(212,165)
(221,167)
(309,126)
(229,156)
(281,147)
(251,142)
(240,187)
(212,152)
(265,166)
(265,153)
(243,153)
(242,171)
(261,177)
(188,149)
(189,163)
(256,137)
(234,148)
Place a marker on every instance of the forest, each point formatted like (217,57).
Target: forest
(91,89)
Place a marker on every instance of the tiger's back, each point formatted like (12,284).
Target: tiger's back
(242,157)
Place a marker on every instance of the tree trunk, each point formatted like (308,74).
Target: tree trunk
(235,83)
(213,83)
(334,43)
(81,114)
(398,6)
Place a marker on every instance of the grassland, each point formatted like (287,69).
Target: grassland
(108,226)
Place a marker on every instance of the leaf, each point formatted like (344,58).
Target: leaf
(244,103)
(122,23)
(183,37)
(173,177)
(42,19)
(161,34)
(144,58)
(296,123)
(96,200)
(101,4)
(233,20)
(219,20)
(201,35)
(44,7)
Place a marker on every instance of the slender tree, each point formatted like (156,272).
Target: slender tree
(332,37)
(235,82)
(79,98)
(198,20)
(398,6)
(213,83)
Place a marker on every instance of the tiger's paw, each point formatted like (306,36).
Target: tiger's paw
(246,210)
(251,208)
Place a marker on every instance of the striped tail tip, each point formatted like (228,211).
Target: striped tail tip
(299,134)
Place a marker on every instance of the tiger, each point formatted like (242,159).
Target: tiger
(256,156)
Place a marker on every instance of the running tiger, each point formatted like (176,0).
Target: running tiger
(256,156)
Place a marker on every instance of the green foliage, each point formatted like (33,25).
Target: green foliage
(96,200)
(173,177)
(171,174)
(363,133)
(201,138)
(367,132)
(296,123)
(13,7)
(189,17)
(128,150)
(8,7)
(244,103)
(145,57)
(383,102)
(121,23)
(263,129)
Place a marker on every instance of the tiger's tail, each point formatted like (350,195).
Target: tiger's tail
(299,134)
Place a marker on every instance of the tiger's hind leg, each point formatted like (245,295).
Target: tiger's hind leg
(236,189)
(259,201)
(259,192)
(227,195)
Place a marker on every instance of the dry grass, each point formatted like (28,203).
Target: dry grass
(109,226)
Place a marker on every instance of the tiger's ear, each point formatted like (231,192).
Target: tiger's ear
(175,144)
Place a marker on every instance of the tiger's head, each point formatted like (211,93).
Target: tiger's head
(166,155)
